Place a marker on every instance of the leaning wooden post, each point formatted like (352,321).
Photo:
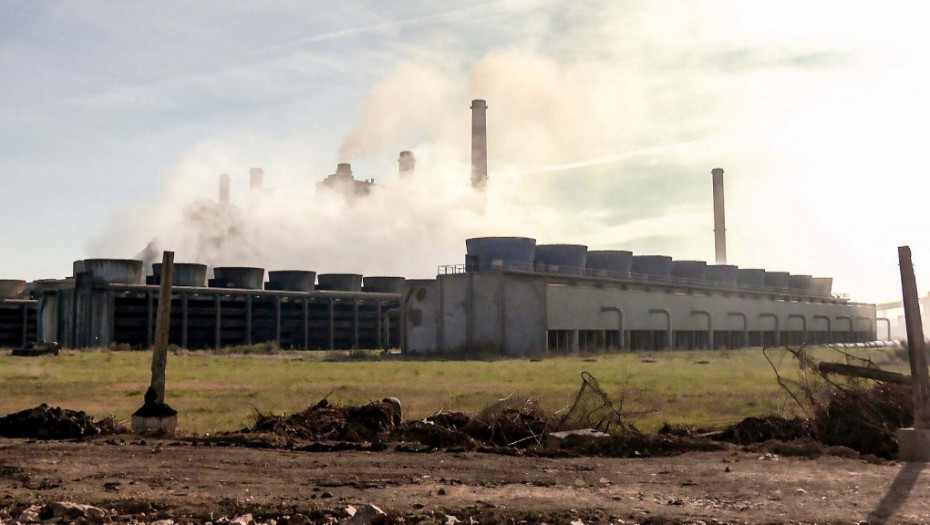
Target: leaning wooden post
(162,327)
(914,443)
(155,414)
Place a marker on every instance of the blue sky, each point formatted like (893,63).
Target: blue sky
(605,119)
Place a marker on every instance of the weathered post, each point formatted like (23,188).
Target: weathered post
(914,443)
(155,414)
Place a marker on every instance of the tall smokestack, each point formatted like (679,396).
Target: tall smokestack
(479,144)
(720,228)
(256,178)
(406,162)
(224,189)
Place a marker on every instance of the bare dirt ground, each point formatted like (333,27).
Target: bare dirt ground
(161,478)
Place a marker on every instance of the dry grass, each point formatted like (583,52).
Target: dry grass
(222,392)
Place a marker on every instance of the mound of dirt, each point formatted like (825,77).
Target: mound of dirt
(518,426)
(765,428)
(866,420)
(323,421)
(44,422)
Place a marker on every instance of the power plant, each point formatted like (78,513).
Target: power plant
(510,296)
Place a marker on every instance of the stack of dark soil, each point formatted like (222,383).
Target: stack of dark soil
(508,426)
(44,422)
(323,421)
(765,428)
(866,420)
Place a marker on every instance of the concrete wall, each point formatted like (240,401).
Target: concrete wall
(513,313)
(476,313)
(579,308)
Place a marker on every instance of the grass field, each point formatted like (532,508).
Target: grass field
(222,392)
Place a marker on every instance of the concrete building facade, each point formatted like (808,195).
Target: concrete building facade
(506,307)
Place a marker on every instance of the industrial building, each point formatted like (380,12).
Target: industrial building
(106,304)
(511,296)
(514,297)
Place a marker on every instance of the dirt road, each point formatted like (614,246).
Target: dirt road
(169,479)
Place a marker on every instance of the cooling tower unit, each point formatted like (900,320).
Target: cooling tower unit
(117,271)
(722,274)
(613,263)
(562,258)
(42,285)
(291,280)
(12,288)
(720,228)
(406,163)
(800,282)
(184,274)
(479,144)
(383,284)
(776,279)
(751,277)
(242,277)
(822,286)
(342,282)
(690,270)
(513,252)
(652,266)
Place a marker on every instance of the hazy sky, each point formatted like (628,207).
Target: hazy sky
(605,119)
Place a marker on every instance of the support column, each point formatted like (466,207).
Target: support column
(149,319)
(248,319)
(777,333)
(277,320)
(355,324)
(184,311)
(573,344)
(803,326)
(332,324)
(306,323)
(218,321)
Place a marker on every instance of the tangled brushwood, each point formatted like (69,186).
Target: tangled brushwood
(842,411)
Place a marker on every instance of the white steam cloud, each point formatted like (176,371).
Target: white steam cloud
(603,126)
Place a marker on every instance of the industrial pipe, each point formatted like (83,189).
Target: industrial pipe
(887,323)
(745,327)
(803,326)
(619,311)
(829,330)
(710,326)
(777,333)
(668,324)
(852,328)
(870,325)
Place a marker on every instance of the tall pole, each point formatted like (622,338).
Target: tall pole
(720,228)
(479,144)
(162,327)
(915,339)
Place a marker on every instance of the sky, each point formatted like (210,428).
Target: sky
(604,121)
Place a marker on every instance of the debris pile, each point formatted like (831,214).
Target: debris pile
(323,421)
(44,422)
(865,420)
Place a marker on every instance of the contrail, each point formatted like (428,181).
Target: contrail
(377,27)
(607,159)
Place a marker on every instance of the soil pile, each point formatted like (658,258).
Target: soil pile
(323,421)
(765,428)
(520,424)
(44,422)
